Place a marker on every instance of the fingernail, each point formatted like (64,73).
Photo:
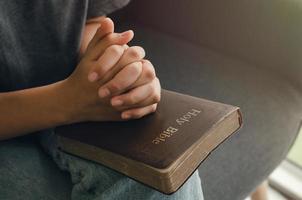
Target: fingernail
(124,33)
(104,92)
(117,102)
(125,116)
(92,76)
(125,46)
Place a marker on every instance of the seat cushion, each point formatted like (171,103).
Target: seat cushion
(271,108)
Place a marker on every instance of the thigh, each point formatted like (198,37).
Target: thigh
(26,172)
(94,181)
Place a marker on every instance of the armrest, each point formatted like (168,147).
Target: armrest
(264,33)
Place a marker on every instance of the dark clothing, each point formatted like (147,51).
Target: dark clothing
(40,40)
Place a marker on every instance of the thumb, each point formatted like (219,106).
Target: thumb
(109,40)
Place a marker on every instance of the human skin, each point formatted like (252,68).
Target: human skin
(80,97)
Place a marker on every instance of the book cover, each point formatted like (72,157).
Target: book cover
(160,150)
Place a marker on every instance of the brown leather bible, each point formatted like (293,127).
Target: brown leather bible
(160,150)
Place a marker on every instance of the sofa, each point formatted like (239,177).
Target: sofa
(245,53)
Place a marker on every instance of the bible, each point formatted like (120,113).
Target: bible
(161,149)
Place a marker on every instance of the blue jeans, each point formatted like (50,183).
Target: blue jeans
(93,181)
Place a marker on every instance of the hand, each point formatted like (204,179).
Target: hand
(134,94)
(141,97)
(142,85)
(81,95)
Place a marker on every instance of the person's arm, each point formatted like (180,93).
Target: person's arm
(32,109)
(75,99)
(39,108)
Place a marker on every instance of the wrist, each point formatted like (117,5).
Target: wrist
(72,105)
(64,101)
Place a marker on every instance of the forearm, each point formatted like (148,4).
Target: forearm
(34,109)
(30,110)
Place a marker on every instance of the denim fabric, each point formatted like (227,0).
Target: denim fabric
(93,181)
(28,173)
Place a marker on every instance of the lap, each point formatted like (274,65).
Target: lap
(94,181)
(26,172)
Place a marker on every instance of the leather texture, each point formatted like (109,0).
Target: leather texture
(180,120)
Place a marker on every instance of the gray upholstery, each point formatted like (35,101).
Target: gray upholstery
(240,52)
(271,108)
(245,53)
(265,33)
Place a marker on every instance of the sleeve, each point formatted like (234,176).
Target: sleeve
(103,7)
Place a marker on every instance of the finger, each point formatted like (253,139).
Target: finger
(106,27)
(125,46)
(110,39)
(147,75)
(131,54)
(110,57)
(147,102)
(137,113)
(139,97)
(126,77)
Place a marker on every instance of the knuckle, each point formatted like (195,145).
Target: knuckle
(141,50)
(131,99)
(153,107)
(115,86)
(136,67)
(109,38)
(125,46)
(147,63)
(150,74)
(101,72)
(152,89)
(115,49)
(156,98)
(135,52)
(149,71)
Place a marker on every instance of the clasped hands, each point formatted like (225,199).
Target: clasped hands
(112,81)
